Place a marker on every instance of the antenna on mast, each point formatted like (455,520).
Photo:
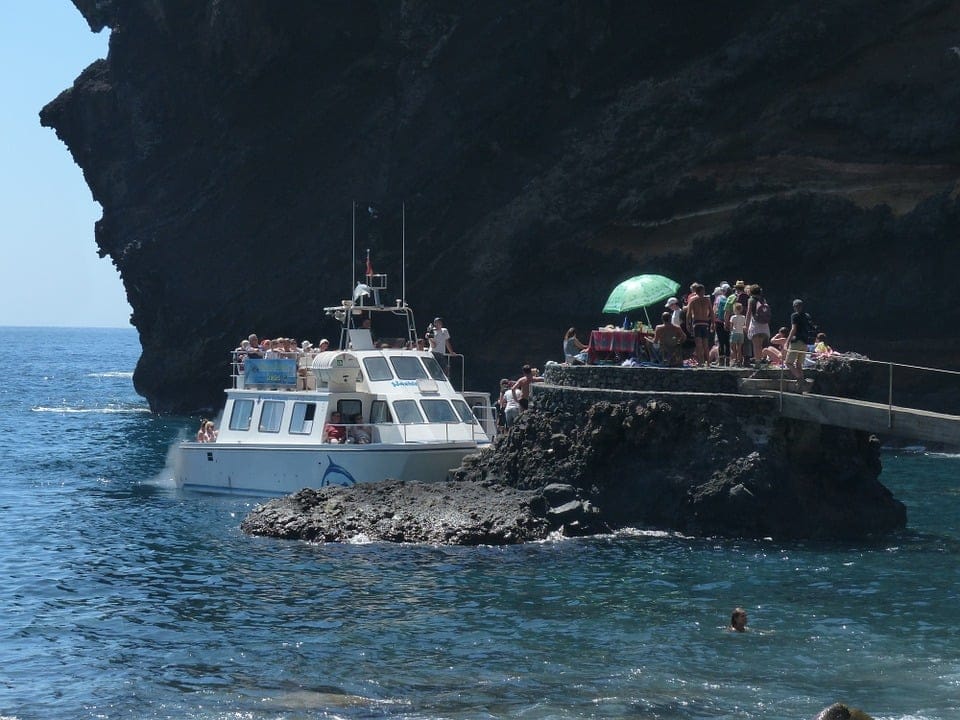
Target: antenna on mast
(403,253)
(353,248)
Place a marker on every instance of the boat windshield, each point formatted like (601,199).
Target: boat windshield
(377,368)
(464,411)
(433,367)
(407,411)
(439,411)
(408,368)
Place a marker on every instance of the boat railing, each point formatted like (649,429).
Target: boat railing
(449,364)
(487,417)
(421,432)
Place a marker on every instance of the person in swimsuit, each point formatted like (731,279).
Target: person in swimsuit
(699,320)
(667,339)
(738,620)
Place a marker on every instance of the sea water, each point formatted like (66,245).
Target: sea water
(123,597)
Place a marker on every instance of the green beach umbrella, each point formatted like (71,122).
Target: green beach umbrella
(639,292)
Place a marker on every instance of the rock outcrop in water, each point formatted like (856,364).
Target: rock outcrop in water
(590,460)
(545,150)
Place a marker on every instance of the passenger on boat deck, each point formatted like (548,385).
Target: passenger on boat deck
(738,620)
(266,347)
(440,339)
(358,432)
(440,344)
(323,345)
(206,433)
(333,431)
(522,385)
(306,346)
(254,350)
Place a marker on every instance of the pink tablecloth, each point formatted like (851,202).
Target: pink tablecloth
(605,342)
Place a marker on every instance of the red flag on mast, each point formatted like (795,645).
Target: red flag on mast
(369,266)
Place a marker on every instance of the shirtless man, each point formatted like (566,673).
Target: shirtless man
(522,386)
(667,339)
(699,321)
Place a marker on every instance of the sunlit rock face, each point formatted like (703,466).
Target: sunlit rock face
(544,151)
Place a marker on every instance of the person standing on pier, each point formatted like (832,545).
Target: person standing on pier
(796,344)
(700,319)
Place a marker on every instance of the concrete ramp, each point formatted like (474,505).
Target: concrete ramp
(871,417)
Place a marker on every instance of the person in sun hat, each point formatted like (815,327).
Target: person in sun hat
(673,305)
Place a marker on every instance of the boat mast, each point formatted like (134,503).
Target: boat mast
(353,249)
(403,253)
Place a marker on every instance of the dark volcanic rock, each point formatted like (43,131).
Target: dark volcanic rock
(839,711)
(700,468)
(545,150)
(443,513)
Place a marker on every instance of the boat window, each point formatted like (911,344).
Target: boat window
(242,412)
(408,368)
(463,410)
(407,411)
(377,368)
(380,412)
(433,367)
(439,411)
(271,415)
(349,408)
(301,421)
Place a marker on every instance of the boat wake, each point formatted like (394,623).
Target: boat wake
(112,374)
(106,410)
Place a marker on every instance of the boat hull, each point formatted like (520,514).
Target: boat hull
(265,471)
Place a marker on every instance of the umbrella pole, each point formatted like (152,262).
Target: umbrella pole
(648,318)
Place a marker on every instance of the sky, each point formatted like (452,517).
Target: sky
(51,273)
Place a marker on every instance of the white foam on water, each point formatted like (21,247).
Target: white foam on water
(108,410)
(112,374)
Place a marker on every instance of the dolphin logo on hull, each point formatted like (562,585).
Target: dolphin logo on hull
(336,475)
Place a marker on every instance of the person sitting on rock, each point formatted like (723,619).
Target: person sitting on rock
(334,431)
(821,347)
(574,351)
(774,352)
(667,339)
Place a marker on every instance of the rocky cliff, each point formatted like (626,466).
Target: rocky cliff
(544,150)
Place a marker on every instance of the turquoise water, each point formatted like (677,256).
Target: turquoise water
(122,597)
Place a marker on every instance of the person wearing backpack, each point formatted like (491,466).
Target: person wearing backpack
(758,322)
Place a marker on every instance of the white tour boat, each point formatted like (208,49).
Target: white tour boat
(272,435)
